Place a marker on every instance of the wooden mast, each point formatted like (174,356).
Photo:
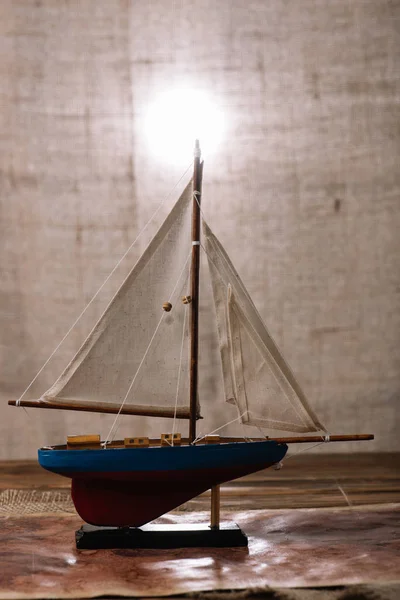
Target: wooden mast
(194,320)
(195,274)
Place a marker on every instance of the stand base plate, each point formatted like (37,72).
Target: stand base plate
(229,535)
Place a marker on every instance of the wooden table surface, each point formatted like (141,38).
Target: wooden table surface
(305,481)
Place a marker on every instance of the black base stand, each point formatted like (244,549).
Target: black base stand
(160,536)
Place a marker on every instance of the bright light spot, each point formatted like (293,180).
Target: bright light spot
(176,119)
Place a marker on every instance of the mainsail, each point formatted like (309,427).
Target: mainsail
(137,354)
(256,376)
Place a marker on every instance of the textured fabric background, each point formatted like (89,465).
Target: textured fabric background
(303,191)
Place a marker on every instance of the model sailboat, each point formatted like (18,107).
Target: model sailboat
(141,358)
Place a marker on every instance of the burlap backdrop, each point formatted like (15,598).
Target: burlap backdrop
(303,192)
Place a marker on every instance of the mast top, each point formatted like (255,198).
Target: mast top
(197,151)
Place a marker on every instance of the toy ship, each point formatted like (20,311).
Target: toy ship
(141,358)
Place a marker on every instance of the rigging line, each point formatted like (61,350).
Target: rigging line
(199,438)
(102,285)
(180,369)
(236,276)
(145,354)
(195,194)
(304,450)
(341,490)
(28,415)
(349,502)
(247,437)
(261,431)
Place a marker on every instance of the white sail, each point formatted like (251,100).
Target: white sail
(256,376)
(137,353)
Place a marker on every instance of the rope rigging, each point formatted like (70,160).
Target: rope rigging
(18,402)
(146,353)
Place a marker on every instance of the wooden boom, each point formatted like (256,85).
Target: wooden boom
(181,413)
(306,439)
(358,437)
(105,407)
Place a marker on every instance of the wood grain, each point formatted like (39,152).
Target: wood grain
(303,482)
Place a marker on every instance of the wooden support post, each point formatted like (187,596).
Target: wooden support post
(215,506)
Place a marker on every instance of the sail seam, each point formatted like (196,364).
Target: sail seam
(277,422)
(234,307)
(236,357)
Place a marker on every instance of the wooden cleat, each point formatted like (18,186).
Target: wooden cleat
(171,439)
(136,442)
(76,441)
(212,439)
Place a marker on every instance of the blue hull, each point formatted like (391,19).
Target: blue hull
(160,458)
(131,486)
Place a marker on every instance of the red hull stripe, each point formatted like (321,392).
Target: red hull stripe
(135,498)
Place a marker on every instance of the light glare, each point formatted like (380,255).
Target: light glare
(177,118)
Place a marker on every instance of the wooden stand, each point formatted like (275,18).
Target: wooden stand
(215,507)
(215,535)
(227,535)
